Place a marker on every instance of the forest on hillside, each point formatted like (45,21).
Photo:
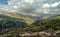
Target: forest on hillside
(19,27)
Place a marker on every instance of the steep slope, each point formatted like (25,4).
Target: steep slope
(20,17)
(9,24)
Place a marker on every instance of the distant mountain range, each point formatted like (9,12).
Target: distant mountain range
(27,18)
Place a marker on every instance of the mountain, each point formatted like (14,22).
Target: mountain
(20,17)
(19,23)
(8,24)
(7,18)
(48,25)
(29,19)
(48,17)
(44,16)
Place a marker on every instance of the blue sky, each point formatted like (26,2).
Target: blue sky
(4,2)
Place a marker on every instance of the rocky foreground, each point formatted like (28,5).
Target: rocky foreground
(35,34)
(41,34)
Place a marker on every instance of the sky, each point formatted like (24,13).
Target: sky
(4,2)
(30,6)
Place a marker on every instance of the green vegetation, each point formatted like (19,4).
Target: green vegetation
(19,17)
(12,25)
(48,26)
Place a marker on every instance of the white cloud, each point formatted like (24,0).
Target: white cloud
(29,6)
(46,11)
(29,1)
(19,3)
(46,5)
(15,7)
(55,4)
